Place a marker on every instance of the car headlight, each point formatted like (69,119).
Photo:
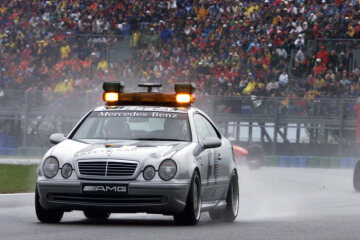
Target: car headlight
(167,169)
(149,173)
(66,170)
(50,167)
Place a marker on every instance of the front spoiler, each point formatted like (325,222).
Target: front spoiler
(150,197)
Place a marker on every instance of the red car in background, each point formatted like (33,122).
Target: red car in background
(254,156)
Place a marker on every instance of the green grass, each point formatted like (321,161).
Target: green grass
(17,178)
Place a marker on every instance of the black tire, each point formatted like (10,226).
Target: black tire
(256,157)
(230,213)
(192,212)
(96,215)
(356,178)
(253,165)
(44,215)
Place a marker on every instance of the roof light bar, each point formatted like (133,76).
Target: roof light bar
(183,98)
(149,86)
(113,86)
(114,95)
(111,96)
(185,88)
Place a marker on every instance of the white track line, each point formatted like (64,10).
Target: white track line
(20,161)
(15,194)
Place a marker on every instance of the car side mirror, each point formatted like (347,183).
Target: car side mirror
(211,142)
(56,138)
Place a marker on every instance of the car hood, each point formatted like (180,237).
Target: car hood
(124,149)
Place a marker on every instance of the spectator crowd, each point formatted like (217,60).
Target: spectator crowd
(229,47)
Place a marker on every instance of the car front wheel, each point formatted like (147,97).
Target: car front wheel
(356,178)
(230,213)
(192,212)
(44,215)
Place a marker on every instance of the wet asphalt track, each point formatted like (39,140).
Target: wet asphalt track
(276,203)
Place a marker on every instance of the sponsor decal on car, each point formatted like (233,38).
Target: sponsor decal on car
(104,189)
(137,114)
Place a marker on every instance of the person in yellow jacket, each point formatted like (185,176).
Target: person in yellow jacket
(3,8)
(350,32)
(65,86)
(103,65)
(311,94)
(319,83)
(253,8)
(250,86)
(135,39)
(202,13)
(65,50)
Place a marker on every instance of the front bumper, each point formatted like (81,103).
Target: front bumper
(150,197)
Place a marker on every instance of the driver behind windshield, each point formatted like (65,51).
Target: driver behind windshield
(116,128)
(176,129)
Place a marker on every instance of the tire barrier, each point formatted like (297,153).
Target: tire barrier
(311,162)
(32,151)
(2,140)
(8,144)
(272,160)
(23,151)
(346,162)
(293,161)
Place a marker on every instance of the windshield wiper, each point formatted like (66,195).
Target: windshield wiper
(160,139)
(78,140)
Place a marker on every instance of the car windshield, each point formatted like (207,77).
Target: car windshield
(134,125)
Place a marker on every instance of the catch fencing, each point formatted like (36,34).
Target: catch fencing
(338,45)
(350,47)
(28,118)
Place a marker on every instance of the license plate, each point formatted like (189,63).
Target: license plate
(110,189)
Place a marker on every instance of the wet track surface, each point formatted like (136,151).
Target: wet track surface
(276,203)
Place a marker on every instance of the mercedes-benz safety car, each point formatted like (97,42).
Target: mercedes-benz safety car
(145,152)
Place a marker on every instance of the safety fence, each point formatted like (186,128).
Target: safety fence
(338,45)
(314,108)
(114,48)
(349,47)
(28,118)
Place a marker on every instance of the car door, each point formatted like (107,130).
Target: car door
(205,160)
(219,169)
(219,164)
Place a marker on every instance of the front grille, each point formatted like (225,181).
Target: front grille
(107,168)
(92,168)
(105,200)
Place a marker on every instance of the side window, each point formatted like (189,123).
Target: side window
(204,127)
(201,129)
(211,129)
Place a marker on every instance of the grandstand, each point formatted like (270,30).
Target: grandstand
(233,47)
(294,51)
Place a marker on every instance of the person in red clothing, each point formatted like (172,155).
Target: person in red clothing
(323,55)
(319,67)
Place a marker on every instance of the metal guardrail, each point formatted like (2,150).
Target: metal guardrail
(299,108)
